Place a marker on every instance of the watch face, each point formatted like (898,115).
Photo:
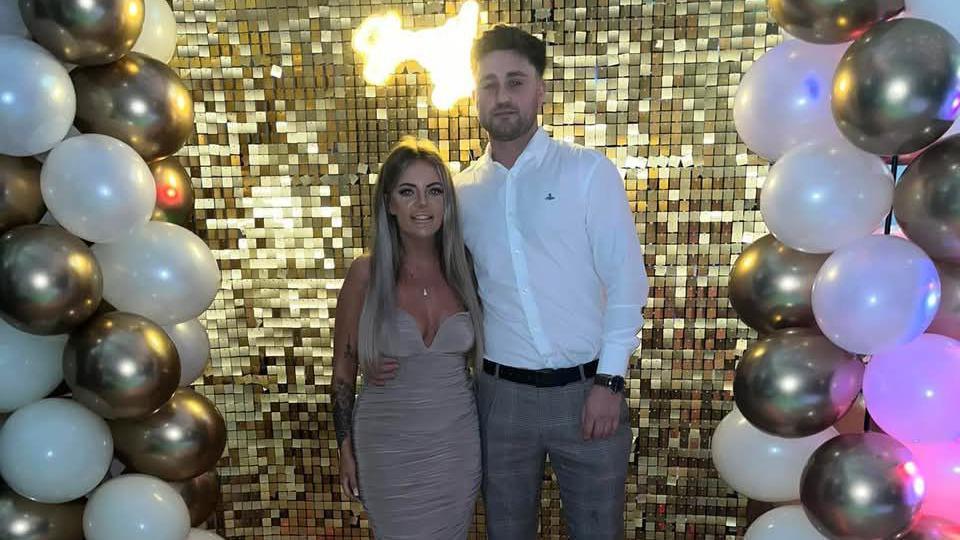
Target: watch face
(615,384)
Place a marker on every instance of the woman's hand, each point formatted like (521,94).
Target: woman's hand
(348,470)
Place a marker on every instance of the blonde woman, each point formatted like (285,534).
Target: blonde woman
(410,449)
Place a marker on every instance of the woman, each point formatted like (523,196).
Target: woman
(412,443)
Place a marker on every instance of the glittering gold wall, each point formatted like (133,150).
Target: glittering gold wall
(288,135)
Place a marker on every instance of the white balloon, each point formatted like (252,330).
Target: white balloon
(200,534)
(31,366)
(98,188)
(875,293)
(161,271)
(37,100)
(954,129)
(942,12)
(783,523)
(820,196)
(54,450)
(136,507)
(73,132)
(159,35)
(193,347)
(11,23)
(784,98)
(759,465)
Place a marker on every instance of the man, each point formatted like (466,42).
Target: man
(562,282)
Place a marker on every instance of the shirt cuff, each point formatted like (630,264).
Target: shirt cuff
(614,360)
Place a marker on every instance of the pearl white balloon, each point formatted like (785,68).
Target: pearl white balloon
(200,534)
(31,366)
(954,129)
(136,507)
(159,35)
(193,346)
(759,465)
(37,99)
(784,98)
(942,12)
(161,271)
(783,523)
(54,450)
(97,187)
(11,23)
(823,195)
(875,293)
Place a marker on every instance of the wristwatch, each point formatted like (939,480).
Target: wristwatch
(614,383)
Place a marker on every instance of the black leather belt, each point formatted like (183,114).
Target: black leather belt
(541,378)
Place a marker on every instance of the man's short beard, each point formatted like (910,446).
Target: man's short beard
(513,131)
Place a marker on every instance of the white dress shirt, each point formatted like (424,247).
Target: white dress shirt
(557,257)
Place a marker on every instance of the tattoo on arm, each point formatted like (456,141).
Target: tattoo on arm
(343,401)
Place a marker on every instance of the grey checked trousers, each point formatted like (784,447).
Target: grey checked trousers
(520,425)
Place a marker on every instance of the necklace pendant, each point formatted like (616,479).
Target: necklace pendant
(425,292)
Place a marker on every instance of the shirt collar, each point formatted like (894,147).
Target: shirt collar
(534,152)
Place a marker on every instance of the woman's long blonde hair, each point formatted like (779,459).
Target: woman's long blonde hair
(386,251)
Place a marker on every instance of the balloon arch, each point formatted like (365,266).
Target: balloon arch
(102,282)
(854,308)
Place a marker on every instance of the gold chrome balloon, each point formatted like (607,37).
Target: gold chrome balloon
(181,440)
(174,192)
(121,365)
(947,320)
(21,202)
(50,281)
(138,100)
(897,88)
(23,519)
(831,21)
(201,495)
(84,32)
(770,285)
(795,383)
(926,202)
(862,486)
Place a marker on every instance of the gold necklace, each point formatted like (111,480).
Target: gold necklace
(426,293)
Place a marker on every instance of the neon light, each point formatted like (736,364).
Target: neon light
(444,52)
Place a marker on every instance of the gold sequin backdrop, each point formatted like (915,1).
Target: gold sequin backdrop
(287,137)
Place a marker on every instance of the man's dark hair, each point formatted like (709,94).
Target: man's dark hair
(510,38)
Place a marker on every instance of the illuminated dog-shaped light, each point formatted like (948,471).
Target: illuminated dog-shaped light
(443,51)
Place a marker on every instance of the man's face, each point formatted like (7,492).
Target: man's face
(509,95)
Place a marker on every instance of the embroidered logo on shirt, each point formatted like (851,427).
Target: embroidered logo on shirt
(549,197)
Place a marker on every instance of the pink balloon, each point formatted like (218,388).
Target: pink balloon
(939,464)
(911,391)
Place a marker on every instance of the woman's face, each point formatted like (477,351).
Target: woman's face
(417,200)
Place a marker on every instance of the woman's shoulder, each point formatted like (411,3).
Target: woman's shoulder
(358,276)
